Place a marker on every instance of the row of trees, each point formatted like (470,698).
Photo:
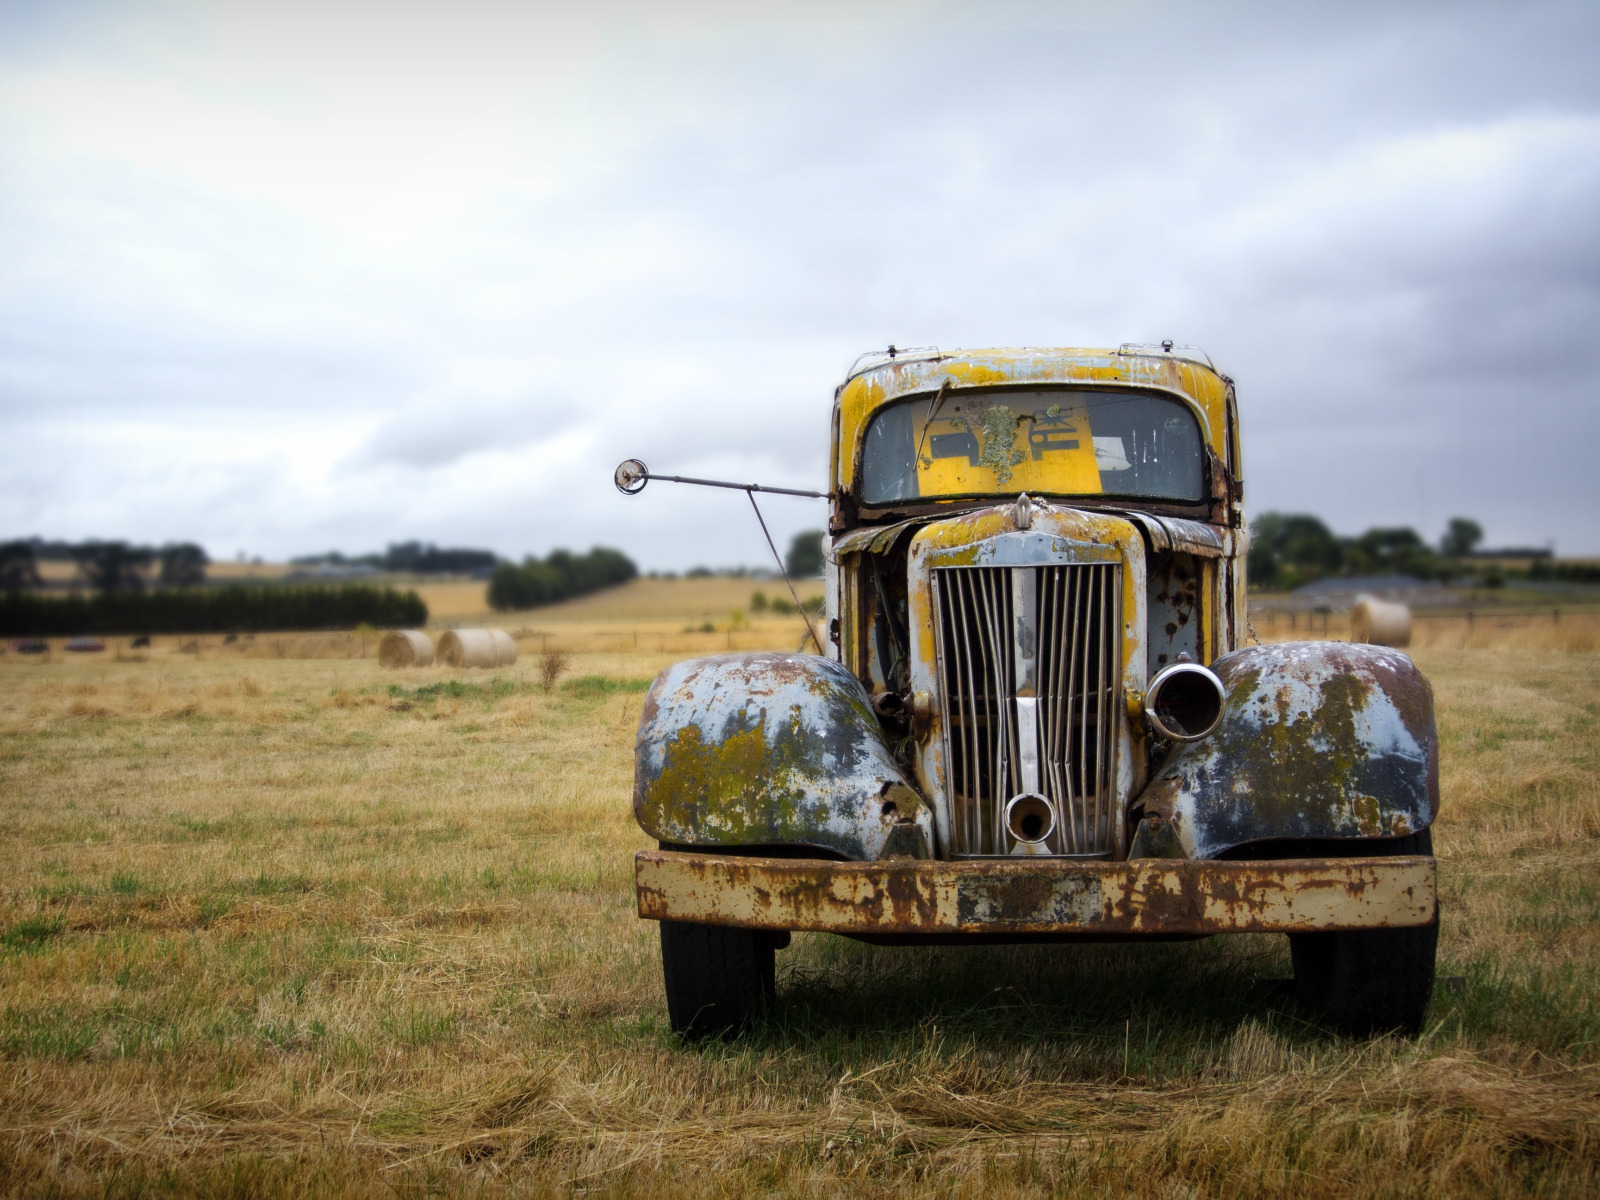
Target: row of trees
(418,558)
(237,609)
(1288,549)
(108,566)
(559,576)
(802,561)
(784,607)
(1568,572)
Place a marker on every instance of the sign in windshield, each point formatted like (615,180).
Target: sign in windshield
(1051,441)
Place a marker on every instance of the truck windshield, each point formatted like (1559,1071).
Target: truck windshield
(1061,441)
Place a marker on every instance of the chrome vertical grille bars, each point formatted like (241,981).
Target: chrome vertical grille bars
(1029,679)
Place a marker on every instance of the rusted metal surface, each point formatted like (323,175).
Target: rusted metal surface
(768,750)
(873,539)
(1320,740)
(1175,620)
(1037,895)
(1175,533)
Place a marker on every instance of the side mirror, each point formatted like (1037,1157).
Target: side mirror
(631,476)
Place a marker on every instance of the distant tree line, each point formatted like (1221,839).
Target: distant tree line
(802,561)
(1289,549)
(107,566)
(782,606)
(418,558)
(559,576)
(230,609)
(1560,572)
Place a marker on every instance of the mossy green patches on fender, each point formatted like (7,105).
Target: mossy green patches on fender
(768,750)
(1320,740)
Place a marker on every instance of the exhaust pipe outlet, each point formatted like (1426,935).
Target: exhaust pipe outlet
(1030,818)
(1185,702)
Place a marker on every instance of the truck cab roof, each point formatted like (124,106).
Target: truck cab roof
(1049,394)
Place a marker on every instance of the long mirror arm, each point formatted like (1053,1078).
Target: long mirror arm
(632,475)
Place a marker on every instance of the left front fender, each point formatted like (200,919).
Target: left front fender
(766,750)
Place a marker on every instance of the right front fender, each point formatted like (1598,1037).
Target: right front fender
(1320,740)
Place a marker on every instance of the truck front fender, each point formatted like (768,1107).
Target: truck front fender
(772,750)
(1320,740)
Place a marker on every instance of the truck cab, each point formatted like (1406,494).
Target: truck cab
(1031,712)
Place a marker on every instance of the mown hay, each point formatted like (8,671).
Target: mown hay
(477,648)
(1380,623)
(405,648)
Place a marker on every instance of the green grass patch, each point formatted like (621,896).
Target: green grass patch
(47,1033)
(591,686)
(125,883)
(202,827)
(455,689)
(1550,1009)
(31,933)
(421,1028)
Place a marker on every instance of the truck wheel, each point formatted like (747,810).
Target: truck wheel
(718,978)
(1370,980)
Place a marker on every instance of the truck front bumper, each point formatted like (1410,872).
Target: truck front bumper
(1032,897)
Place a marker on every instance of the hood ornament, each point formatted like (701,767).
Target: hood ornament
(1023,511)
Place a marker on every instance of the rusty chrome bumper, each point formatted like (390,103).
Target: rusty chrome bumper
(1036,896)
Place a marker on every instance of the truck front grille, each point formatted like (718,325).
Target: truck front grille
(1029,683)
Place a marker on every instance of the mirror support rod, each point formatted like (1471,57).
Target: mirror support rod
(631,476)
(746,487)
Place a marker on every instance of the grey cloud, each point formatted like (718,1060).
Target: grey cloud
(442,430)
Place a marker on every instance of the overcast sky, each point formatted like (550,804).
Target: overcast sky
(282,277)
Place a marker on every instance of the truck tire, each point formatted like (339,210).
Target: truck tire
(1370,980)
(718,978)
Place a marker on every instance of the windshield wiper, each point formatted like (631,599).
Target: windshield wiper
(933,407)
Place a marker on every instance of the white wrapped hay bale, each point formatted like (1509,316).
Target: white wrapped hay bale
(477,648)
(405,648)
(1380,623)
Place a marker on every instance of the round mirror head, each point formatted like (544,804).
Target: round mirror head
(631,477)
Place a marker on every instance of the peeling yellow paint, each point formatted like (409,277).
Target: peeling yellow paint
(1204,390)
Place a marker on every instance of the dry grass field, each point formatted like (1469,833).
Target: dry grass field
(275,924)
(658,606)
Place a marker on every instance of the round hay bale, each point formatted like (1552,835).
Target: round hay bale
(1380,623)
(405,648)
(477,648)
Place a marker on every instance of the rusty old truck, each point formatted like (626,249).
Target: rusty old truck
(1039,713)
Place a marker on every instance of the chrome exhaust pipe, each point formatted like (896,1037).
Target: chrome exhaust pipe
(1030,818)
(1185,702)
